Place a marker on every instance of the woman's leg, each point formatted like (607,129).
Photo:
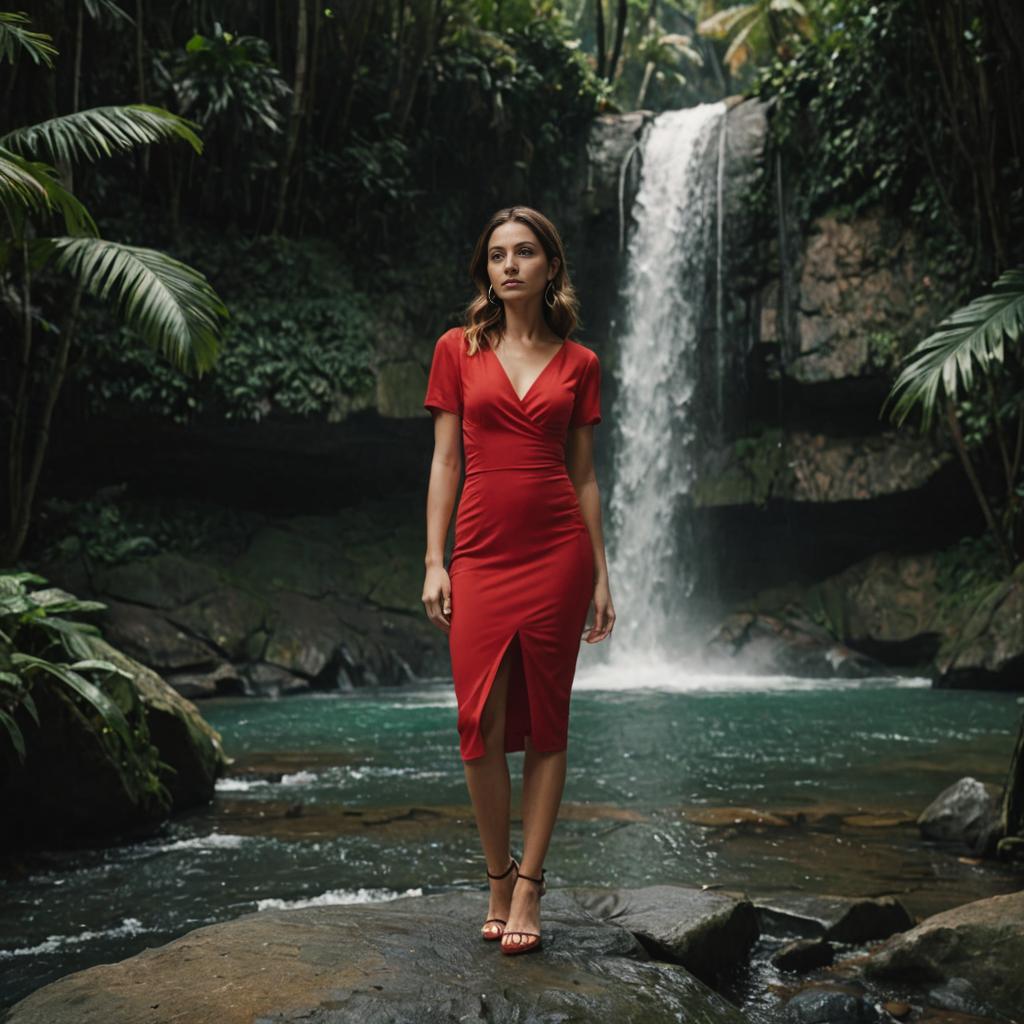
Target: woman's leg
(543,783)
(490,789)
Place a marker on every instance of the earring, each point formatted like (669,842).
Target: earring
(490,295)
(551,304)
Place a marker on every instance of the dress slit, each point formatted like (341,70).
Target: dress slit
(517,700)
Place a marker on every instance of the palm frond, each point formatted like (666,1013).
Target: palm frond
(739,48)
(945,359)
(27,187)
(97,8)
(16,38)
(102,131)
(173,307)
(790,6)
(721,23)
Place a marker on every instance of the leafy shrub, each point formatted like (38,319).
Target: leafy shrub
(40,645)
(300,341)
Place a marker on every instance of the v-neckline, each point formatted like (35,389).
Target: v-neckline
(533,383)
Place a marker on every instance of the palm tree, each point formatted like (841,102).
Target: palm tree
(170,305)
(758,26)
(980,332)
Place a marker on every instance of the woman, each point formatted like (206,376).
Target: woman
(528,558)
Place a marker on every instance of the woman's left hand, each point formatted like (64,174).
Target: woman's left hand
(604,614)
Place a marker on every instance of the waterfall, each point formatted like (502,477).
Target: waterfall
(663,301)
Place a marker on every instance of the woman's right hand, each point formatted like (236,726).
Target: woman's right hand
(437,597)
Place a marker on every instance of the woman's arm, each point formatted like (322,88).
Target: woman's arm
(579,461)
(445,473)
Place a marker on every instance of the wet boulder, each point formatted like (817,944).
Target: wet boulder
(970,955)
(707,932)
(418,958)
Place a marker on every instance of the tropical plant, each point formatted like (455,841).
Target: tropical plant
(970,363)
(41,645)
(231,87)
(170,305)
(761,28)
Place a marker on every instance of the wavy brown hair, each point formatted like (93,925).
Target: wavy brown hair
(484,319)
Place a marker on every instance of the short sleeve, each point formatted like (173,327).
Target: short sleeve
(587,407)
(444,385)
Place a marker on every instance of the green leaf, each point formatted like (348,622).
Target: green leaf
(173,307)
(944,361)
(17,739)
(28,187)
(16,38)
(105,666)
(112,714)
(102,131)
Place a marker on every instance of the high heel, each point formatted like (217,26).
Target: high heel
(525,947)
(491,937)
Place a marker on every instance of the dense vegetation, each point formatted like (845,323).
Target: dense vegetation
(344,147)
(324,163)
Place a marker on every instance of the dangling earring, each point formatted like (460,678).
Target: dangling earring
(490,295)
(551,304)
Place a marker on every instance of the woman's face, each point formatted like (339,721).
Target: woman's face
(517,264)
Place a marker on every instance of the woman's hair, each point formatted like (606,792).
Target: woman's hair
(483,318)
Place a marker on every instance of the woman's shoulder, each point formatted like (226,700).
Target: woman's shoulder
(581,351)
(453,339)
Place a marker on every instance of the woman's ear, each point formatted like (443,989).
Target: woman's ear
(554,267)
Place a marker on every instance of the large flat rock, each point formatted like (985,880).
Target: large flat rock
(417,959)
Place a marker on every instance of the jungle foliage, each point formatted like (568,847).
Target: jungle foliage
(914,106)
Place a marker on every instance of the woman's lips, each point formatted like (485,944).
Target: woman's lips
(511,284)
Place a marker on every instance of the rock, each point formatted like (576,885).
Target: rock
(863,298)
(805,467)
(70,788)
(962,813)
(897,1008)
(830,1006)
(790,645)
(163,581)
(417,958)
(283,559)
(147,636)
(273,681)
(803,954)
(227,617)
(848,919)
(186,741)
(887,606)
(980,942)
(707,932)
(224,680)
(987,651)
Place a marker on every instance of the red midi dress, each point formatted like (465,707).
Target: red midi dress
(522,562)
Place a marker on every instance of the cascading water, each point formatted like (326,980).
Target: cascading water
(673,240)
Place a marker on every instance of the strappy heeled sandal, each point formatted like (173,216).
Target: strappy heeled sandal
(500,920)
(525,947)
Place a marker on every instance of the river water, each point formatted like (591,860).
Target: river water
(338,798)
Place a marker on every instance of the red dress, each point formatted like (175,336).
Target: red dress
(522,562)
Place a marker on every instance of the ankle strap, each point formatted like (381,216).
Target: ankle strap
(530,879)
(512,864)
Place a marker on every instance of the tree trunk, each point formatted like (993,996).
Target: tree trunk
(620,33)
(599,35)
(1012,818)
(979,491)
(295,120)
